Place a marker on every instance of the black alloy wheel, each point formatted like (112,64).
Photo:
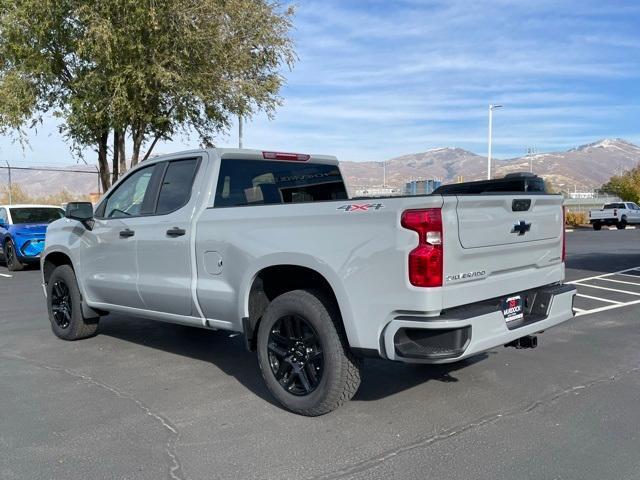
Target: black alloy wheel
(295,355)
(10,255)
(61,304)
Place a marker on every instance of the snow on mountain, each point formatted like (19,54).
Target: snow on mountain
(585,167)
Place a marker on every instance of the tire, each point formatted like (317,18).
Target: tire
(622,224)
(301,333)
(64,304)
(597,226)
(10,257)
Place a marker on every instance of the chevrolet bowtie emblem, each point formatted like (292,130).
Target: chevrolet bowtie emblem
(521,228)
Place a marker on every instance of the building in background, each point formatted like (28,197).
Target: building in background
(422,187)
(376,191)
(577,194)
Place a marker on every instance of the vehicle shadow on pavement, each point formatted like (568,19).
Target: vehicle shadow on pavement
(226,352)
(381,378)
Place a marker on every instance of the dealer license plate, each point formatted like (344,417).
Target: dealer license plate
(512,308)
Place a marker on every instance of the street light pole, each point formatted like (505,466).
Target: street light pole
(240,131)
(531,151)
(492,107)
(384,174)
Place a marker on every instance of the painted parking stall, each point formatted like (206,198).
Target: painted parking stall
(608,291)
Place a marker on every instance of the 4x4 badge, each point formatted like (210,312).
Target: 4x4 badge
(362,207)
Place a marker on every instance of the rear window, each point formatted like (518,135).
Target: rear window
(35,215)
(611,206)
(260,182)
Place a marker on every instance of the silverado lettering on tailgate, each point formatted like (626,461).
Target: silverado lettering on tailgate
(466,276)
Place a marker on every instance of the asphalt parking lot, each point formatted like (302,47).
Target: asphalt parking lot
(146,400)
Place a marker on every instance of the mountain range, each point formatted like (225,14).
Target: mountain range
(586,167)
(583,168)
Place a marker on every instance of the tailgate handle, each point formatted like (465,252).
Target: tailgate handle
(521,204)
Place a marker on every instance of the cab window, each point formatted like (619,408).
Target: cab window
(260,182)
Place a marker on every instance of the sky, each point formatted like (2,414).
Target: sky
(378,79)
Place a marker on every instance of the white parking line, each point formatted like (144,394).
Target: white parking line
(619,281)
(619,272)
(598,298)
(6,275)
(614,303)
(626,292)
(608,307)
(629,275)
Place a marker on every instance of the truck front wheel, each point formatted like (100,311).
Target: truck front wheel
(64,304)
(304,355)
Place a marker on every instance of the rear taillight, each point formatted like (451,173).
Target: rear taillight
(425,261)
(615,212)
(564,233)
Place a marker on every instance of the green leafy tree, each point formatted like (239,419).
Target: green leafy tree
(140,71)
(625,186)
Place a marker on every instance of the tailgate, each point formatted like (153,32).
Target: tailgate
(602,214)
(501,244)
(488,221)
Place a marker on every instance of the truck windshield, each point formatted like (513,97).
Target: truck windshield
(260,182)
(35,215)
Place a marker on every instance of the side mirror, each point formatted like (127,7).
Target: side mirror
(81,211)
(3,224)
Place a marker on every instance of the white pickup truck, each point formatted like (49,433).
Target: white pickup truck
(269,244)
(619,214)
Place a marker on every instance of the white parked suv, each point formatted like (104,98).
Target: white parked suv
(270,245)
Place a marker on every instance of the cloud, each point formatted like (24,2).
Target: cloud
(378,79)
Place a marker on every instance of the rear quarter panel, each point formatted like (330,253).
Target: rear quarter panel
(361,253)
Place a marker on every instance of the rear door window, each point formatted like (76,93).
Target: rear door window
(175,188)
(260,182)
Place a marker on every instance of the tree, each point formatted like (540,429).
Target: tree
(625,186)
(140,70)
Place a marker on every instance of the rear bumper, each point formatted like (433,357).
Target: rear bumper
(467,331)
(604,221)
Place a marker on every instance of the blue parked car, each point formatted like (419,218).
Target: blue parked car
(22,231)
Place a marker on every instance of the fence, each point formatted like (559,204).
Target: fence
(586,204)
(26,184)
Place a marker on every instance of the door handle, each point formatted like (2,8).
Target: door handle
(176,232)
(126,233)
